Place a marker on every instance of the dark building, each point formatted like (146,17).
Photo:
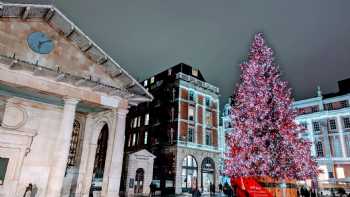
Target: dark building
(180,128)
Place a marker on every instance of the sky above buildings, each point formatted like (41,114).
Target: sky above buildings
(311,39)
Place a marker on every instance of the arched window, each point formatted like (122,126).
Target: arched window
(189,173)
(73,149)
(101,152)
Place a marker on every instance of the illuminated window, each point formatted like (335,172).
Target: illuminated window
(207,101)
(3,168)
(340,172)
(191,113)
(135,122)
(73,149)
(208,118)
(145,83)
(145,140)
(316,126)
(208,137)
(190,135)
(169,72)
(191,95)
(146,119)
(195,72)
(133,139)
(189,173)
(346,121)
(152,80)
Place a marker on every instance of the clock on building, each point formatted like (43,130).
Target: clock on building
(39,42)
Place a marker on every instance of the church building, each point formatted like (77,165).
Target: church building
(63,107)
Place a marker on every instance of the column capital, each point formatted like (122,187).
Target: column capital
(70,101)
(122,111)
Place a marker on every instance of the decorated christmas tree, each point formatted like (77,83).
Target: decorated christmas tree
(265,141)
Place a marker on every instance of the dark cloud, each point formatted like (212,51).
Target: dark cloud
(310,38)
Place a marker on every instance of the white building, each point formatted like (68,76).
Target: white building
(327,121)
(223,130)
(63,105)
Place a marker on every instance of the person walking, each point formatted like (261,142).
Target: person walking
(220,187)
(196,192)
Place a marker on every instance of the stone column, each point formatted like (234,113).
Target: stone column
(327,147)
(117,154)
(62,148)
(341,136)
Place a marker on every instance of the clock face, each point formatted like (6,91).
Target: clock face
(39,42)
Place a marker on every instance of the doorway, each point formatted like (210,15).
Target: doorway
(139,180)
(100,158)
(208,174)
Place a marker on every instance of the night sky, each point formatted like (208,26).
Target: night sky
(311,39)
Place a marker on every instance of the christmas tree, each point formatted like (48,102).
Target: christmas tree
(265,141)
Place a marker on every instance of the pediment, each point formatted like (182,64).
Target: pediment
(142,154)
(73,52)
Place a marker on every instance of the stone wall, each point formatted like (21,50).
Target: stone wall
(144,160)
(28,135)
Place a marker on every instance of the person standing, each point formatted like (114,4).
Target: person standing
(220,187)
(29,190)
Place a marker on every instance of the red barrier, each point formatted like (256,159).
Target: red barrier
(249,185)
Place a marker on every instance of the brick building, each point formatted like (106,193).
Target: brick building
(327,122)
(180,128)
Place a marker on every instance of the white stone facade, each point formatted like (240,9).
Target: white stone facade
(43,95)
(326,123)
(139,160)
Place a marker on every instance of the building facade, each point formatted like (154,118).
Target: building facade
(327,122)
(180,128)
(225,128)
(63,106)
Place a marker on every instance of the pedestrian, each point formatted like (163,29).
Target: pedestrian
(210,188)
(196,192)
(29,190)
(313,193)
(220,187)
(213,189)
(152,189)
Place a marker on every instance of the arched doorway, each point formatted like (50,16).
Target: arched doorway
(208,174)
(100,158)
(139,180)
(189,173)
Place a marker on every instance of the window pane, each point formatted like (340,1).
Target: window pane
(3,167)
(146,138)
(346,122)
(316,126)
(191,114)
(146,119)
